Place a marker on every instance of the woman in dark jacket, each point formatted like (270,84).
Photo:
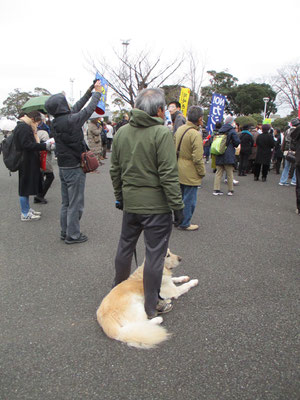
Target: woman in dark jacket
(295,144)
(247,143)
(226,161)
(265,144)
(27,141)
(278,154)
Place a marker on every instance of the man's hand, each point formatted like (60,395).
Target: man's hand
(178,217)
(119,204)
(98,87)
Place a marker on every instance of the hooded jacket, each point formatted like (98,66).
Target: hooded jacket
(67,126)
(228,158)
(143,166)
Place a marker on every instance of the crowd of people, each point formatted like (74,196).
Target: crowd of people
(155,169)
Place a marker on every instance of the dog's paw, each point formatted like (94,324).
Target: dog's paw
(194,282)
(181,279)
(185,278)
(156,320)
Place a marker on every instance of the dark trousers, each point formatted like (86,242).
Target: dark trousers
(109,143)
(243,164)
(277,164)
(265,170)
(47,179)
(157,230)
(298,187)
(250,168)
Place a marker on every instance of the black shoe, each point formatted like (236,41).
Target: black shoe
(82,238)
(63,235)
(38,199)
(256,178)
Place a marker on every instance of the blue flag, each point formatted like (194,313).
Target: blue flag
(216,111)
(100,109)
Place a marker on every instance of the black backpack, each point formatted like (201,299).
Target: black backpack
(12,158)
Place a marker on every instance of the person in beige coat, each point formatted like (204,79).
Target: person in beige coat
(94,138)
(191,168)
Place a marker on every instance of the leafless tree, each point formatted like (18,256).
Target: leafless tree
(127,75)
(195,77)
(287,85)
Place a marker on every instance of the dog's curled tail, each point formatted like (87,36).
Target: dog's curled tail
(144,334)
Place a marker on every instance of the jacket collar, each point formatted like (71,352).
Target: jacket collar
(190,124)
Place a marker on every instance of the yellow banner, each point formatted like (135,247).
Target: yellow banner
(184,100)
(267,121)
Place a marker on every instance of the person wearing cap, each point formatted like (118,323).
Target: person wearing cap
(226,161)
(265,144)
(295,144)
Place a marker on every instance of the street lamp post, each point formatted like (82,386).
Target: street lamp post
(265,99)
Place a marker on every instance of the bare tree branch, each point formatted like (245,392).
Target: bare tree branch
(133,74)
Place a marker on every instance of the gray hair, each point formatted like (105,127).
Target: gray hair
(150,100)
(194,113)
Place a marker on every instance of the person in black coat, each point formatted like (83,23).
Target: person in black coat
(247,142)
(295,145)
(27,141)
(278,154)
(265,143)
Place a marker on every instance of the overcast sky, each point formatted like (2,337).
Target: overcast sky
(43,43)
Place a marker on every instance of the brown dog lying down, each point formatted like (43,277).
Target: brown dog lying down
(122,315)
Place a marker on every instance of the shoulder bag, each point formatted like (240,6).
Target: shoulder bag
(179,145)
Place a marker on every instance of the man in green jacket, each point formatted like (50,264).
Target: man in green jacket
(146,186)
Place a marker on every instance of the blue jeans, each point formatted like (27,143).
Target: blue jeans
(24,203)
(189,197)
(285,173)
(206,150)
(72,196)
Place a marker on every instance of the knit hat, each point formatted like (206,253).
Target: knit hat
(229,119)
(266,128)
(295,122)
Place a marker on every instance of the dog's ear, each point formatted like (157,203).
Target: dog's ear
(168,253)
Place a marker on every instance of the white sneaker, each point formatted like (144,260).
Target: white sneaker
(30,217)
(293,184)
(35,212)
(235,183)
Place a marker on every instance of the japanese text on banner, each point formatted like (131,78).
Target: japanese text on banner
(216,111)
(184,100)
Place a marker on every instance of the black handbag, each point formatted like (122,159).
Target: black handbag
(291,156)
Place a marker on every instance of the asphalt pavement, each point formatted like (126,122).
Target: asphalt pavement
(234,336)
